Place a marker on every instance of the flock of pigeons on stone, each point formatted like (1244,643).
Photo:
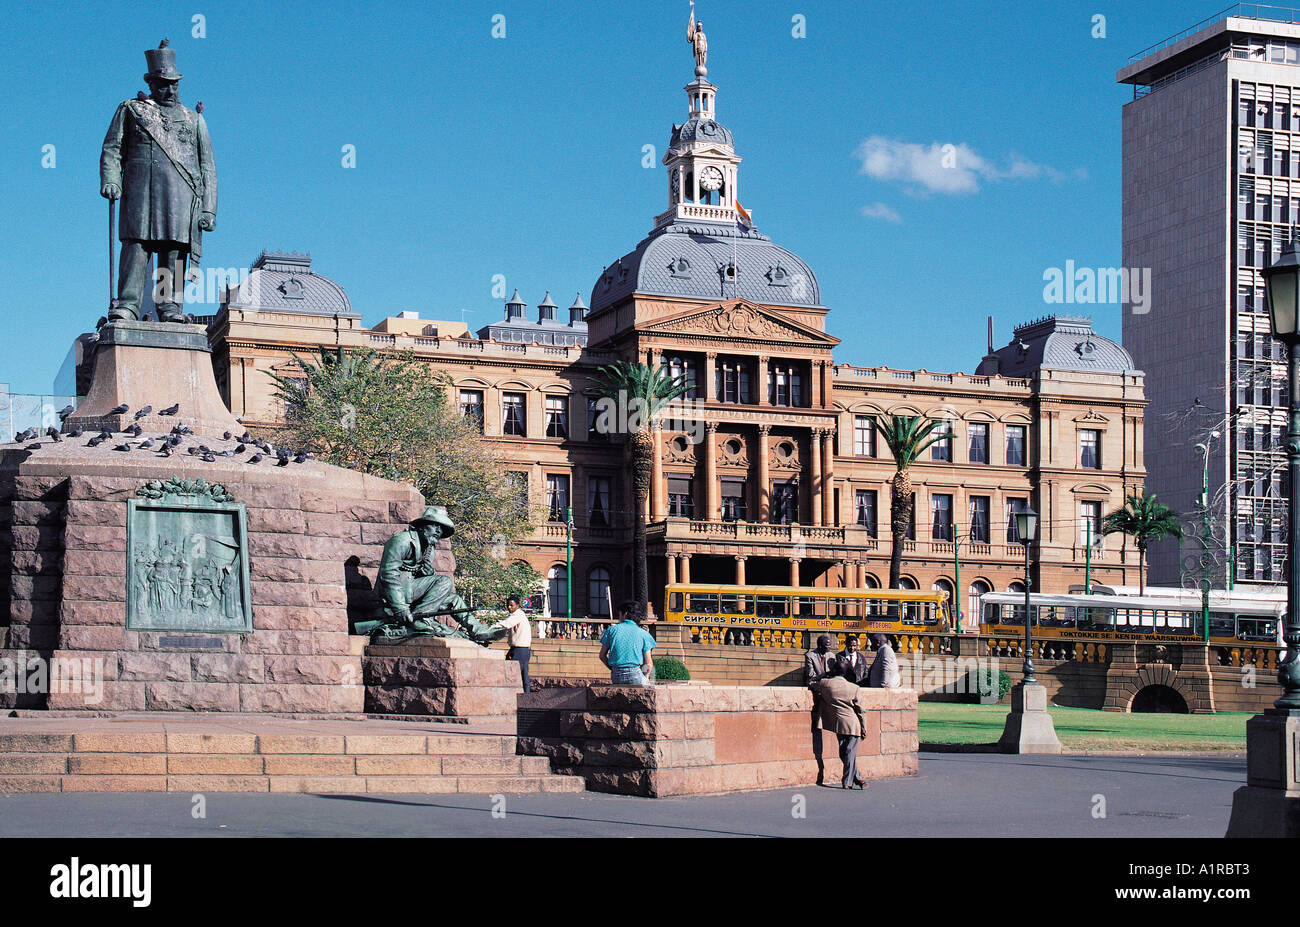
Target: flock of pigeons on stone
(169,444)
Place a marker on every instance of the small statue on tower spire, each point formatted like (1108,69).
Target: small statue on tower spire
(695,35)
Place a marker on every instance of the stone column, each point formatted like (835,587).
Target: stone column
(685,568)
(762,499)
(740,570)
(658,484)
(828,478)
(711,502)
(672,568)
(760,387)
(794,571)
(815,478)
(705,391)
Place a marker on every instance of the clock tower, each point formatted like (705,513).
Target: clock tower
(702,163)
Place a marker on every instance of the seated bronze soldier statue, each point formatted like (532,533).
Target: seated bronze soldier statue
(412,592)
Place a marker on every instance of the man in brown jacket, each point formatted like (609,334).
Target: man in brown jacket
(842,713)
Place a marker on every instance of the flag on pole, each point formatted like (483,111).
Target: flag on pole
(743,219)
(690,28)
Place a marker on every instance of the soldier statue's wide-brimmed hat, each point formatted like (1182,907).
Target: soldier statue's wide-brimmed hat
(436,515)
(162,63)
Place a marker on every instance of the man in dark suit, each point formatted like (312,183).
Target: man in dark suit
(854,662)
(814,668)
(842,713)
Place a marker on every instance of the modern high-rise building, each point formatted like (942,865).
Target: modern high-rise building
(1211,192)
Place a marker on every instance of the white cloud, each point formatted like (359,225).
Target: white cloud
(943,168)
(881,211)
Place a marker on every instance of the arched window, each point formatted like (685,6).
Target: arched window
(870,582)
(1016,586)
(906,582)
(973,617)
(557,591)
(598,594)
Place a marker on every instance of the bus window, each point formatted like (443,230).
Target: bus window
(848,608)
(737,604)
(773,606)
(674,601)
(1222,625)
(810,606)
(1256,629)
(706,603)
(1013,614)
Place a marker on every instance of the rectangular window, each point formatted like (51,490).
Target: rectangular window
(681,497)
(1090,449)
(866,504)
(784,384)
(557,416)
(1016,445)
(733,501)
(471,407)
(941,517)
(785,502)
(514,420)
(593,417)
(978,444)
(864,436)
(557,496)
(1090,519)
(942,449)
(979,519)
(598,513)
(731,377)
(1014,506)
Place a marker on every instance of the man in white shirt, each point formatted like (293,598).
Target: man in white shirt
(521,637)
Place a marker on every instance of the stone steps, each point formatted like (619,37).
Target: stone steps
(159,761)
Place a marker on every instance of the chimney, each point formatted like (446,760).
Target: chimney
(991,365)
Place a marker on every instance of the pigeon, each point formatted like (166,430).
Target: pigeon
(166,450)
(134,431)
(228,453)
(119,410)
(193,451)
(95,441)
(268,448)
(198,107)
(241,448)
(256,458)
(226,436)
(205,449)
(122,447)
(146,444)
(34,447)
(174,440)
(65,411)
(76,432)
(282,458)
(25,435)
(53,432)
(209,457)
(301,457)
(171,410)
(143,412)
(246,438)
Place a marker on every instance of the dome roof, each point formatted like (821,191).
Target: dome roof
(692,260)
(1059,343)
(285,282)
(701,130)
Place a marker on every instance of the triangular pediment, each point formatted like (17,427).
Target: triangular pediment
(740,319)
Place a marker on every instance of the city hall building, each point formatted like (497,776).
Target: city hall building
(780,477)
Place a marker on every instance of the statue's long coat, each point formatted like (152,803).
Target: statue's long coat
(161,157)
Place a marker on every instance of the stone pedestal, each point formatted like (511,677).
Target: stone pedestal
(153,364)
(1029,727)
(446,677)
(1269,804)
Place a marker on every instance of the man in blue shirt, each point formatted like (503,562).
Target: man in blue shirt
(625,648)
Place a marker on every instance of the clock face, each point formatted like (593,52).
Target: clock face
(710,179)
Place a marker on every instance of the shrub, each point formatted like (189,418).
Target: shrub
(986,687)
(670,669)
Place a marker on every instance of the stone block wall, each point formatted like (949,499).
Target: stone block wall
(315,535)
(400,683)
(686,739)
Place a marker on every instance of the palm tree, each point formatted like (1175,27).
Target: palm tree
(638,392)
(907,436)
(1145,520)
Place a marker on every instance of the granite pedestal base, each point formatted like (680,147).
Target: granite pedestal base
(440,676)
(1029,727)
(1269,804)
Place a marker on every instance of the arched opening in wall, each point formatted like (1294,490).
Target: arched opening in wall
(557,591)
(972,618)
(1159,699)
(1016,586)
(599,593)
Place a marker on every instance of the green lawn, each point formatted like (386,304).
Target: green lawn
(1088,729)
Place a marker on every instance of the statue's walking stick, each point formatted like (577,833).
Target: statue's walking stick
(112,256)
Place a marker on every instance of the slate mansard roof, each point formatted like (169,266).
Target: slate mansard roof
(690,260)
(1058,343)
(284,282)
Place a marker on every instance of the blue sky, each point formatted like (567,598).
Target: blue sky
(522,156)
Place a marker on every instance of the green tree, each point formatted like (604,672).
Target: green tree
(907,436)
(1145,520)
(389,415)
(628,398)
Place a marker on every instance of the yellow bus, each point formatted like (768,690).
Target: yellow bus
(713,610)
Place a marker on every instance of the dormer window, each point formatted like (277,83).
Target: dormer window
(778,276)
(292,289)
(680,268)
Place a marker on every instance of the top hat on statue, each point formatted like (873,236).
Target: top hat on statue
(162,63)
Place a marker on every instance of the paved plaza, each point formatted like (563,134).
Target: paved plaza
(969,795)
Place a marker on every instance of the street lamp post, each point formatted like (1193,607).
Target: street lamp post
(1269,803)
(1029,727)
(1205,538)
